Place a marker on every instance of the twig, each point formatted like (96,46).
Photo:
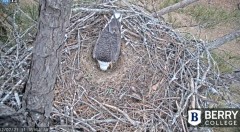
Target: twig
(134,123)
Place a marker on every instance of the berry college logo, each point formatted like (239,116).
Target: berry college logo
(7,2)
(194,117)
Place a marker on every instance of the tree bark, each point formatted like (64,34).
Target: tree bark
(39,93)
(174,7)
(224,39)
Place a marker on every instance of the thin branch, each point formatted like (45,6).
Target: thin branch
(134,123)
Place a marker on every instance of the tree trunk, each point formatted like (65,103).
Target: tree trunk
(39,93)
(174,7)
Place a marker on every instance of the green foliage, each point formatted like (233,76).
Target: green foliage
(167,3)
(24,17)
(5,11)
(31,10)
(29,17)
(236,17)
(173,20)
(226,61)
(210,16)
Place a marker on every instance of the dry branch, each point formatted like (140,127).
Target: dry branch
(224,39)
(174,7)
(134,123)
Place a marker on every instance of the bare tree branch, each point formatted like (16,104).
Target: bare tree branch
(224,39)
(174,7)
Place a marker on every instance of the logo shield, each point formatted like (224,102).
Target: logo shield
(6,2)
(194,117)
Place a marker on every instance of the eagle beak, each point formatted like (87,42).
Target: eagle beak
(104,65)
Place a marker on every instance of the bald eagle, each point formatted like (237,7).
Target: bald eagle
(107,48)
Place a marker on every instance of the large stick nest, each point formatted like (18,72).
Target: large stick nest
(159,75)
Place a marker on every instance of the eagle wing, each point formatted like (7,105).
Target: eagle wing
(116,46)
(107,47)
(102,50)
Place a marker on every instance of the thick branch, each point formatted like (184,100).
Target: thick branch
(174,7)
(224,39)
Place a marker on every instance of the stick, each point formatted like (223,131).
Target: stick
(174,7)
(224,39)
